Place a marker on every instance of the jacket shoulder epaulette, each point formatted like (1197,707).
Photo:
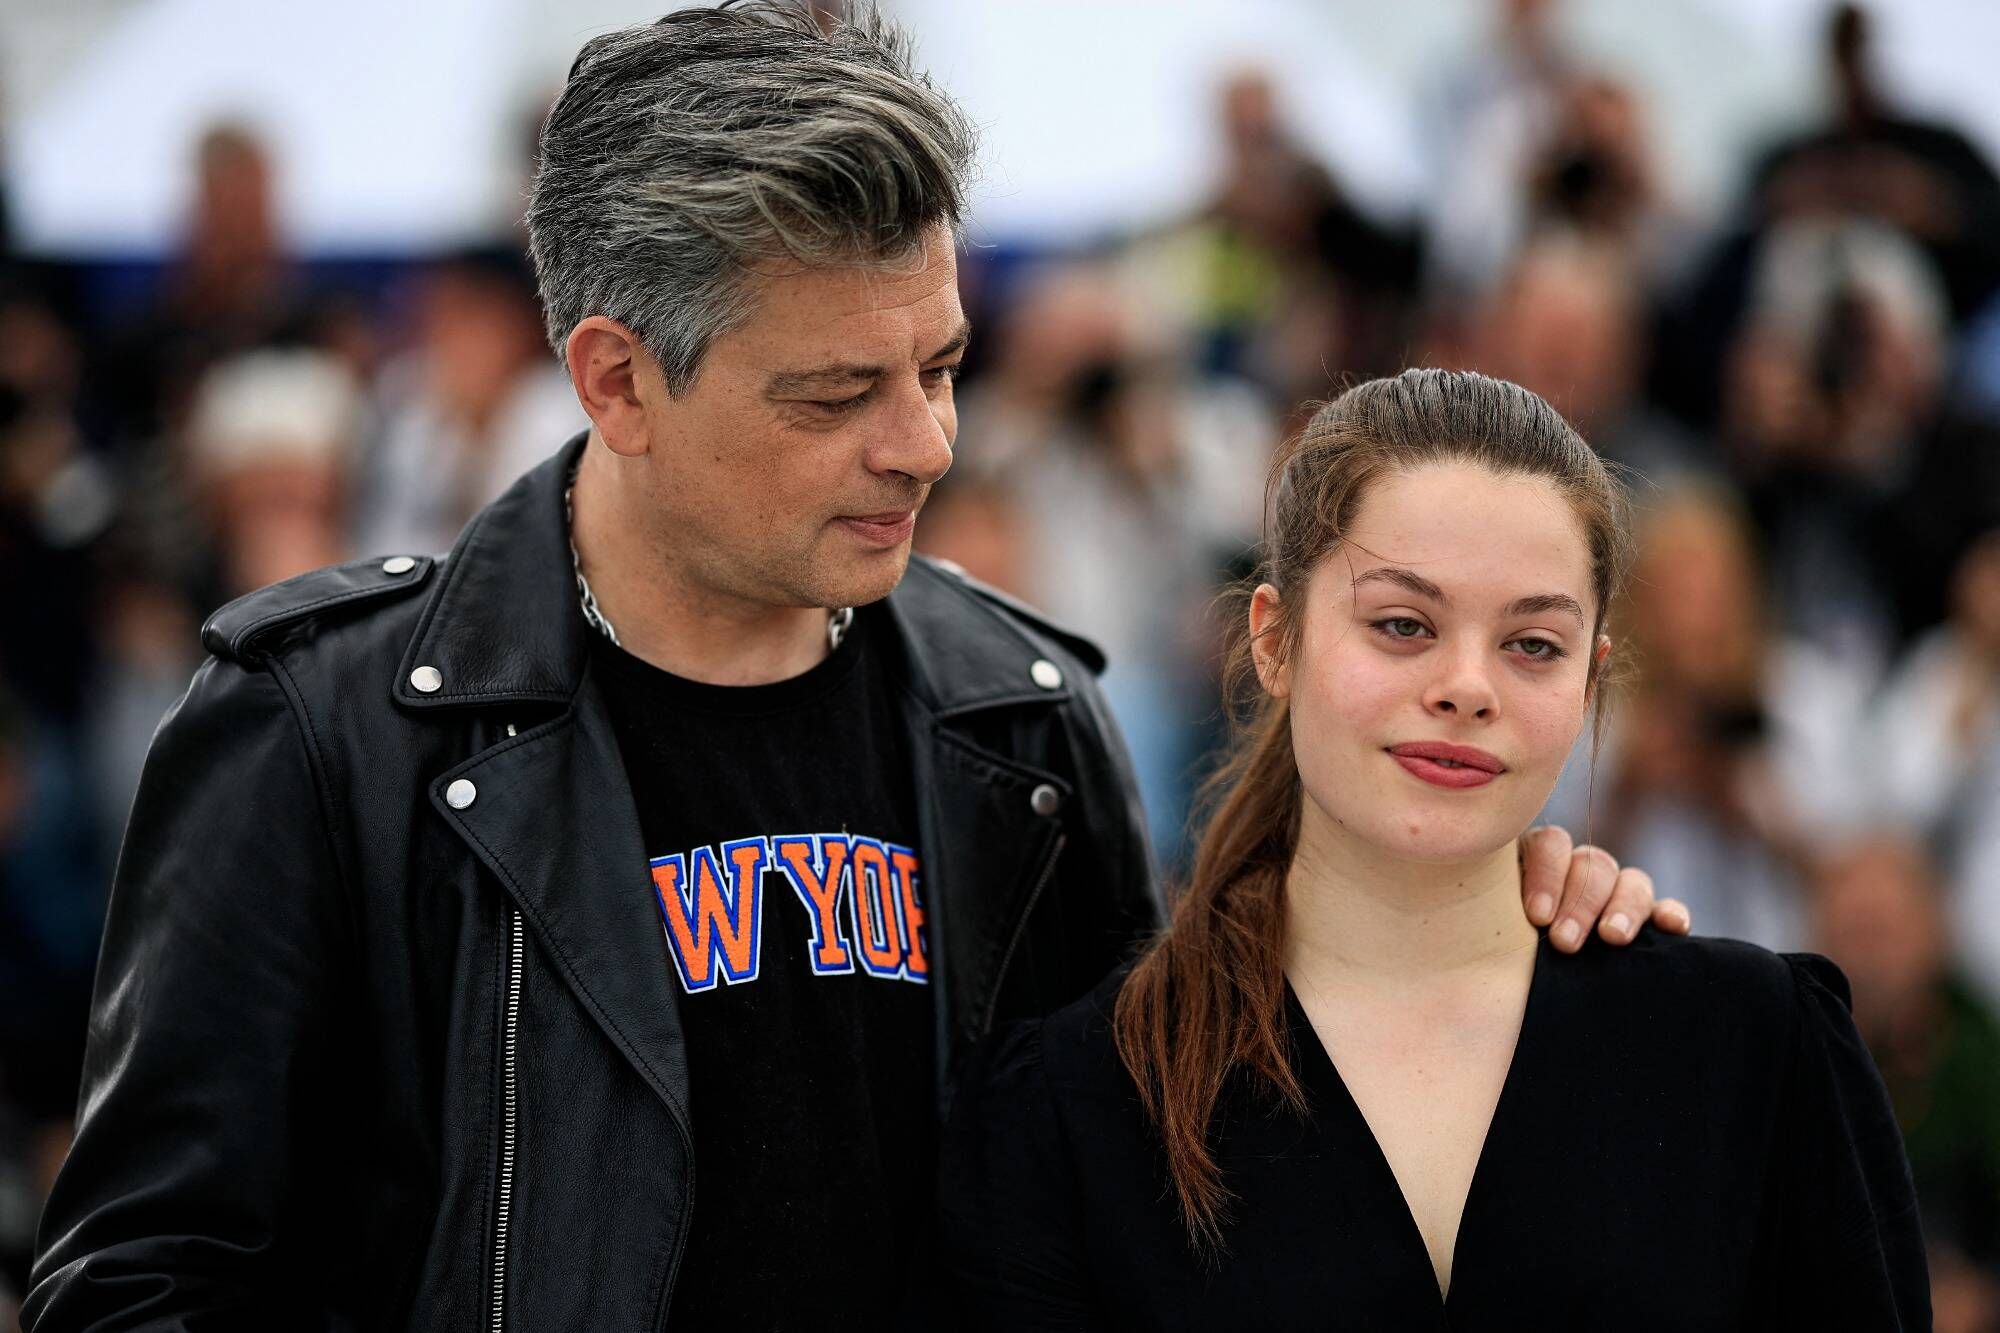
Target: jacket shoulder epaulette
(231,631)
(1081,648)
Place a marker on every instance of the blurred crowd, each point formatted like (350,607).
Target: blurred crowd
(1804,394)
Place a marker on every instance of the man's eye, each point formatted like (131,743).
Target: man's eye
(943,374)
(837,405)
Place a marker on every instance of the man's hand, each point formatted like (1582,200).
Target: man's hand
(1580,887)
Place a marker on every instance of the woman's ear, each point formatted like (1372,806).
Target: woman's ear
(1599,655)
(1265,610)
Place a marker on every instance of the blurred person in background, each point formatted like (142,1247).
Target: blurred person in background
(1922,182)
(1879,912)
(1925,179)
(58,502)
(1734,744)
(232,287)
(57,505)
(1280,277)
(271,440)
(1933,756)
(1595,174)
(1568,154)
(1569,322)
(1487,123)
(471,406)
(1865,484)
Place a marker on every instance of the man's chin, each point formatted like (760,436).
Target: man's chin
(860,582)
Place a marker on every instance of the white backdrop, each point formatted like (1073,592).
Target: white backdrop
(399,123)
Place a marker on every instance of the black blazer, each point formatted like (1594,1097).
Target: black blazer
(1691,1136)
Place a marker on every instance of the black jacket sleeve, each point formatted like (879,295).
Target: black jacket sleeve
(183,1202)
(1012,1224)
(1849,1248)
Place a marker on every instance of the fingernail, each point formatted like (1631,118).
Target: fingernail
(1620,924)
(1541,907)
(1567,933)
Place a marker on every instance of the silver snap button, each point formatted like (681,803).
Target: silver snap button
(398,564)
(1046,674)
(428,680)
(460,794)
(1045,800)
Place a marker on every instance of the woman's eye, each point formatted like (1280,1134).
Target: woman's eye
(1539,650)
(1401,627)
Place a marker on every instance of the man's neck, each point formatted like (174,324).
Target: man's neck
(662,614)
(1358,917)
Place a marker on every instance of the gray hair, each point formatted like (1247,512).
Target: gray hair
(682,151)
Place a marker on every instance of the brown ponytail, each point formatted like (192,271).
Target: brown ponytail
(1206,999)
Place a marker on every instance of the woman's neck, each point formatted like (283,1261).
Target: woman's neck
(1355,915)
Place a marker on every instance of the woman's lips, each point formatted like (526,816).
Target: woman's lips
(1453,766)
(883,529)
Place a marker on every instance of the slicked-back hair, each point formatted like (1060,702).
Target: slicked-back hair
(684,153)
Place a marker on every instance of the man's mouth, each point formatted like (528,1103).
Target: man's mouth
(892,528)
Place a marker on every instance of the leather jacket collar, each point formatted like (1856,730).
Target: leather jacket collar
(503,625)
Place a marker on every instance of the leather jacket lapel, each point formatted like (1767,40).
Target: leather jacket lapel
(553,819)
(988,855)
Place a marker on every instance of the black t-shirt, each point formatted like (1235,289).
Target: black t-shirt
(781,826)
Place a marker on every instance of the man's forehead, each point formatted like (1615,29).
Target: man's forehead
(865,286)
(859,292)
(855,317)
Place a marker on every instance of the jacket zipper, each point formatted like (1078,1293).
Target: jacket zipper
(1020,929)
(507,1121)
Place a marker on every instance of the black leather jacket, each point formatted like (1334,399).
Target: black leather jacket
(361,1058)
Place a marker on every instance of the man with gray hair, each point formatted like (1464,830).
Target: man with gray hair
(582,930)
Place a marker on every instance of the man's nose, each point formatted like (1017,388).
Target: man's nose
(915,439)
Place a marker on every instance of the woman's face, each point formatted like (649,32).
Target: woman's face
(1440,676)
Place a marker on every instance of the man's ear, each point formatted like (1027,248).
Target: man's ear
(614,376)
(1265,613)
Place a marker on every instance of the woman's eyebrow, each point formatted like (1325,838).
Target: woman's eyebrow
(1407,581)
(1547,601)
(1423,587)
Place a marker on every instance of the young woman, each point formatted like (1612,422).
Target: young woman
(1351,1086)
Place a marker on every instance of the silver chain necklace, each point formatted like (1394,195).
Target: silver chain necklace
(837,622)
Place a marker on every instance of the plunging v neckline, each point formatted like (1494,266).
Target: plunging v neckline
(1328,1092)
